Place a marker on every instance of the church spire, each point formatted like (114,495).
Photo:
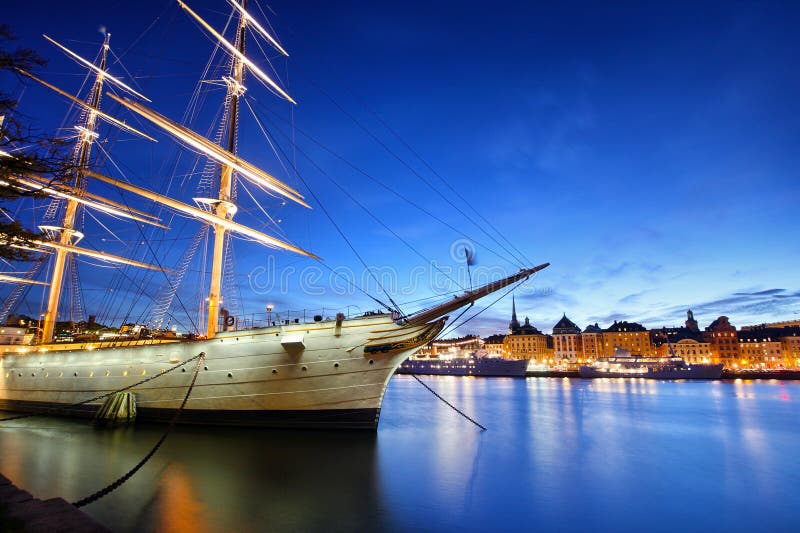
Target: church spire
(513,326)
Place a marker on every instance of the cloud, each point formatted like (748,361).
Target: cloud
(760,293)
(743,306)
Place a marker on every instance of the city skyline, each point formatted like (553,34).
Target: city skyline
(650,158)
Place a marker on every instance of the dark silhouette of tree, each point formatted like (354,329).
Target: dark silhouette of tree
(23,151)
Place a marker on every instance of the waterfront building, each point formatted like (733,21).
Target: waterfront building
(567,345)
(592,342)
(790,348)
(687,341)
(629,336)
(722,336)
(770,347)
(526,341)
(493,344)
(691,350)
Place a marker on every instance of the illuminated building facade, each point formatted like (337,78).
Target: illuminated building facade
(790,349)
(567,345)
(592,342)
(629,336)
(527,343)
(494,345)
(722,336)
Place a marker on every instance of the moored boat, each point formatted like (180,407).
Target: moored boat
(321,373)
(625,365)
(473,364)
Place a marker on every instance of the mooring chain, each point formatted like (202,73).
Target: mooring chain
(453,407)
(113,486)
(53,410)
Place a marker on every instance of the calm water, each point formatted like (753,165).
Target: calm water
(558,454)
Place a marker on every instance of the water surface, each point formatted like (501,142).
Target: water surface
(564,454)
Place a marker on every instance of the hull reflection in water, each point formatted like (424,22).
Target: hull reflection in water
(232,479)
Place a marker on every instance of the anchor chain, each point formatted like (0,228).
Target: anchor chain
(55,410)
(453,407)
(116,484)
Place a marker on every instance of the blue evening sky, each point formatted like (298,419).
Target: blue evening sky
(647,150)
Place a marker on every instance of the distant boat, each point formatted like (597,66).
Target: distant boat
(473,364)
(624,365)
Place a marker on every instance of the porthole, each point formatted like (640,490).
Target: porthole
(75,374)
(19,375)
(336,365)
(274,370)
(184,370)
(303,369)
(230,375)
(204,368)
(33,375)
(371,362)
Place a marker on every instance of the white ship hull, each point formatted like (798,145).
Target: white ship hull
(324,374)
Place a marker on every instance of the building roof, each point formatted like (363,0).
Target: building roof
(593,328)
(721,324)
(565,326)
(659,336)
(527,329)
(768,334)
(494,339)
(624,326)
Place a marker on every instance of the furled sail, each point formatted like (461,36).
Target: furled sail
(247,170)
(202,215)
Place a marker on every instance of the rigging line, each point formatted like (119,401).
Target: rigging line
(141,35)
(438,175)
(266,135)
(86,211)
(342,234)
(394,192)
(467,308)
(152,252)
(359,204)
(411,169)
(513,287)
(266,214)
(122,65)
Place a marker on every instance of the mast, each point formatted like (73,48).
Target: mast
(224,207)
(67,234)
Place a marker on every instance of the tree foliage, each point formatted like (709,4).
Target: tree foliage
(22,151)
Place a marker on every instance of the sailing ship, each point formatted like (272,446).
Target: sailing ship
(329,373)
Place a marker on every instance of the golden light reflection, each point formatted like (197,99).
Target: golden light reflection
(180,509)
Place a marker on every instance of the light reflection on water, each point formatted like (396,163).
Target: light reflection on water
(565,454)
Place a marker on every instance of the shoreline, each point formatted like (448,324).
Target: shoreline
(786,375)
